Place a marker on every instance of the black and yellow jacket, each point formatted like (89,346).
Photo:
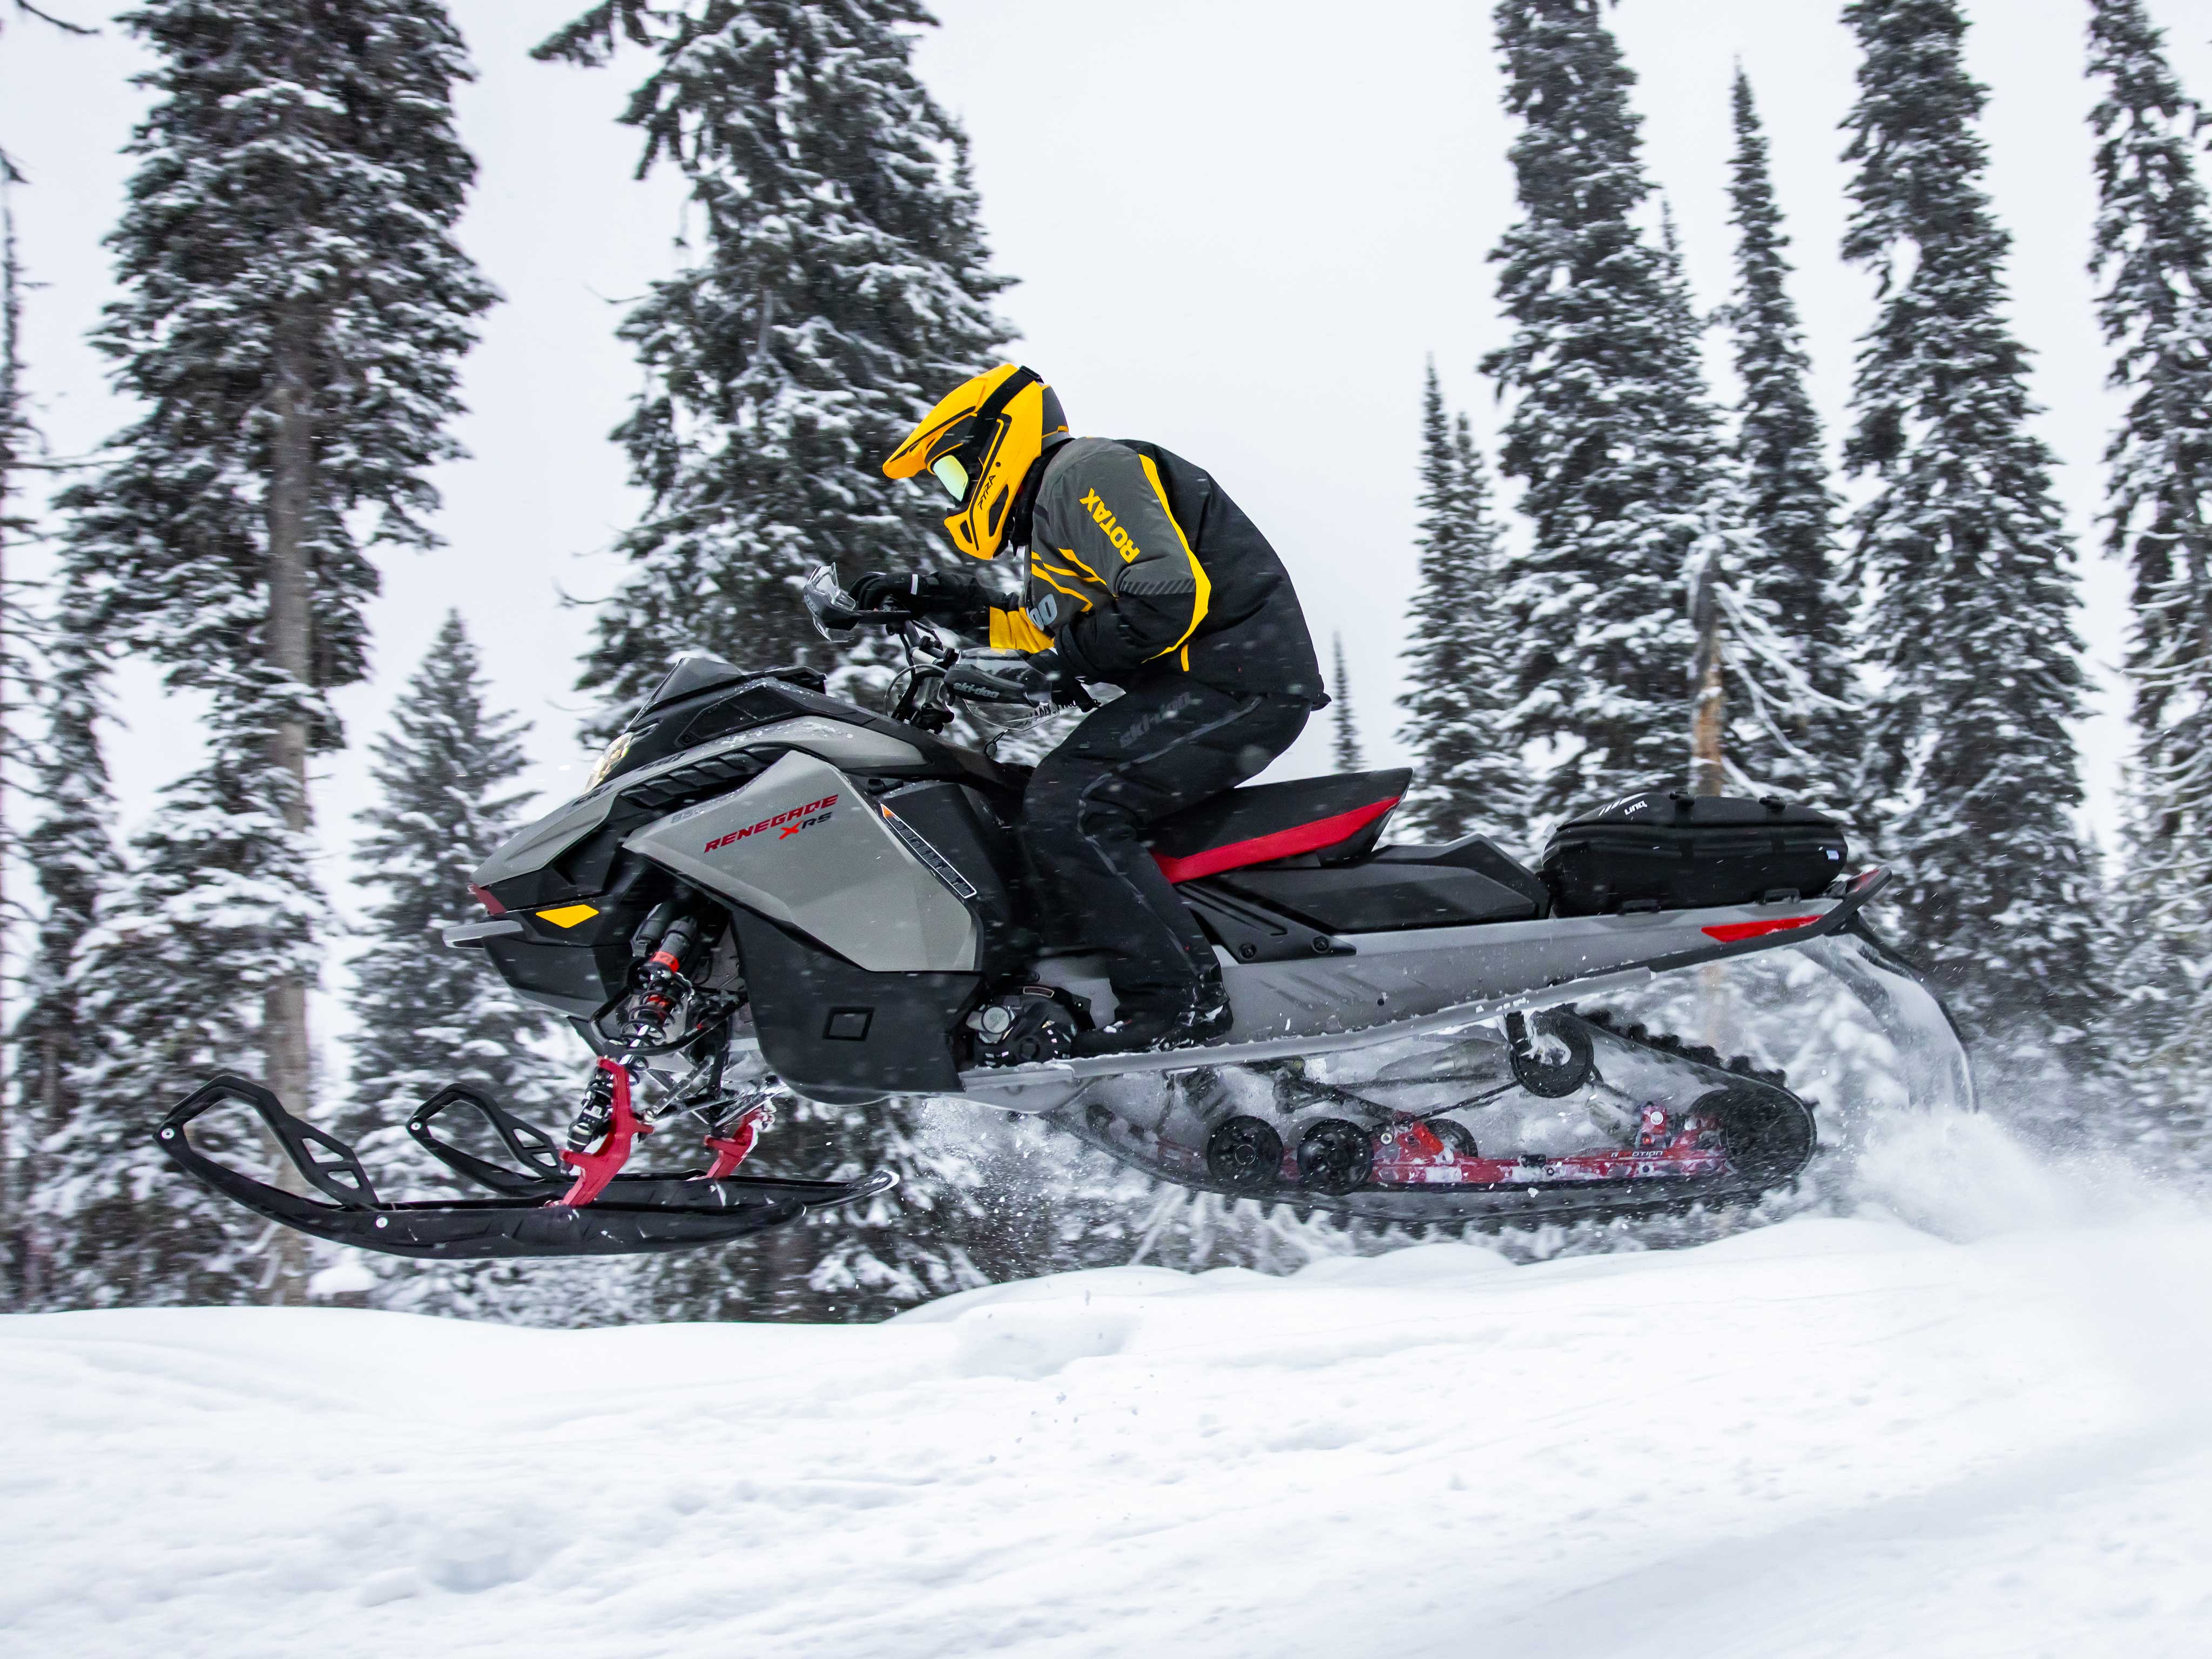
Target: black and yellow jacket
(1140,566)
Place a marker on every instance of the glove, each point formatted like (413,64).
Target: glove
(959,602)
(1063,688)
(881,591)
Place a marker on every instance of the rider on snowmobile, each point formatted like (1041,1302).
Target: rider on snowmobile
(1139,573)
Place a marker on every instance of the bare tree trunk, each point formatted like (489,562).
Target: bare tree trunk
(1709,770)
(1709,701)
(288,644)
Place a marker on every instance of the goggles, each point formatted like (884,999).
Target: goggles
(952,476)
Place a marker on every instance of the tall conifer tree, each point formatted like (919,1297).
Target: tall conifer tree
(1801,746)
(19,683)
(1970,634)
(16,434)
(1610,431)
(294,307)
(426,1016)
(170,985)
(76,864)
(2154,252)
(840,285)
(1467,777)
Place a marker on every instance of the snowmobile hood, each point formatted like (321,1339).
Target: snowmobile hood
(840,743)
(535,845)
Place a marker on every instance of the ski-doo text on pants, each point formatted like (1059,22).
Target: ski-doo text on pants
(1166,744)
(1141,567)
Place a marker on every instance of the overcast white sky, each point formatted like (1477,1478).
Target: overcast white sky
(1238,226)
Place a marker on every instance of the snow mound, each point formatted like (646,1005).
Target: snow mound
(1833,1437)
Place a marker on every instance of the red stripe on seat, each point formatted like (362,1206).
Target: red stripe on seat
(1282,844)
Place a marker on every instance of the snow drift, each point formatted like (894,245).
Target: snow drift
(1830,1437)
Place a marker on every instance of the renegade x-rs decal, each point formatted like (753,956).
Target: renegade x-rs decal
(789,824)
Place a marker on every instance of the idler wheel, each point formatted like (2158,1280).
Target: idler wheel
(1548,1079)
(1767,1135)
(1245,1155)
(1457,1138)
(1335,1156)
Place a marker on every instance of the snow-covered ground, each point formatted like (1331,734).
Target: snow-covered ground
(1969,1421)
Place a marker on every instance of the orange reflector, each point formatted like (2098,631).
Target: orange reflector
(1735,932)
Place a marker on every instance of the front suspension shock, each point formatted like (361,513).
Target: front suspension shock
(658,987)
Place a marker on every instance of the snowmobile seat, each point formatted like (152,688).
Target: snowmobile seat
(1470,881)
(1333,820)
(1485,858)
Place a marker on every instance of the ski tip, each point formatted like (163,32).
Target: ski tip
(868,1186)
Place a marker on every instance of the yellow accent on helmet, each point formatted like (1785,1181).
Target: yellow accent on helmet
(993,428)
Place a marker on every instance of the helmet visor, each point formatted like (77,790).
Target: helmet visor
(952,476)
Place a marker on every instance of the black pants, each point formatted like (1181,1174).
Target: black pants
(1159,747)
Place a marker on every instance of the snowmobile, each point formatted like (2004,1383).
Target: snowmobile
(766,890)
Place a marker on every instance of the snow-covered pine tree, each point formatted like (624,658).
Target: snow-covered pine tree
(295,305)
(30,1050)
(1344,723)
(839,286)
(76,864)
(1970,635)
(2154,251)
(426,1016)
(1610,429)
(1795,745)
(16,434)
(19,440)
(173,984)
(1467,778)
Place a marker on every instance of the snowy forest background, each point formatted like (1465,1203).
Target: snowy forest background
(1614,410)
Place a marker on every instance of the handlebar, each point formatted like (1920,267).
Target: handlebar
(838,616)
(973,681)
(944,672)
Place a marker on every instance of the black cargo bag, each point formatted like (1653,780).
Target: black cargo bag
(1679,852)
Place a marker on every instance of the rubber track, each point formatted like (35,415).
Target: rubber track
(1697,1053)
(1561,1205)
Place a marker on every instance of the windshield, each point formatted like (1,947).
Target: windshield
(825,600)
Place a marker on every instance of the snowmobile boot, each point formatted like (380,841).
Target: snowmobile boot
(1198,1016)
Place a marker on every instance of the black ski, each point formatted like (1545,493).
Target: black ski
(638,1214)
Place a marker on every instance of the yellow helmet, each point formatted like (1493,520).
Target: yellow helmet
(980,443)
